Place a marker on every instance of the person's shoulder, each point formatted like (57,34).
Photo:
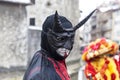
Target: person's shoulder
(38,53)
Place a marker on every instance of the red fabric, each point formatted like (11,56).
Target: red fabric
(104,67)
(34,70)
(61,69)
(90,69)
(113,76)
(105,77)
(118,64)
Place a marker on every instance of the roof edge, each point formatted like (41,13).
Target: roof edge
(17,2)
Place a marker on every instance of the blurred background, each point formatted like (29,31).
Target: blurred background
(20,30)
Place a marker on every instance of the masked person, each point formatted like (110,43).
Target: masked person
(57,40)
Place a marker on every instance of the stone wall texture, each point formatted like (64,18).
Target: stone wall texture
(13,35)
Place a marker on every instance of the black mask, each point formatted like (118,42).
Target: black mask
(58,36)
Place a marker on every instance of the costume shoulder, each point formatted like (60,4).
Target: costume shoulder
(41,68)
(34,67)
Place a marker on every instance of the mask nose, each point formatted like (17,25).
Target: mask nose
(69,44)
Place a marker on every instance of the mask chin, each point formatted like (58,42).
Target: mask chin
(63,52)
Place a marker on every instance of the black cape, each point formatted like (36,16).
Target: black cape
(41,68)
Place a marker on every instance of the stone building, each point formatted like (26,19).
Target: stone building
(105,22)
(13,33)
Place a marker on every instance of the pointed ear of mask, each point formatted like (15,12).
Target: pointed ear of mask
(57,24)
(84,20)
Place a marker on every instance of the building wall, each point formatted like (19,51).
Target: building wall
(13,35)
(116,25)
(106,22)
(41,9)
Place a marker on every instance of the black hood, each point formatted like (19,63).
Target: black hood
(48,24)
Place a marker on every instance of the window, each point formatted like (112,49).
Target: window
(32,21)
(48,3)
(33,1)
(94,27)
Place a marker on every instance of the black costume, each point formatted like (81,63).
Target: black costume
(57,40)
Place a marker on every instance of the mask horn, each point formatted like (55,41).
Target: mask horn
(57,23)
(84,20)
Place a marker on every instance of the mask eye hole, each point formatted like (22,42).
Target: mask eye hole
(60,38)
